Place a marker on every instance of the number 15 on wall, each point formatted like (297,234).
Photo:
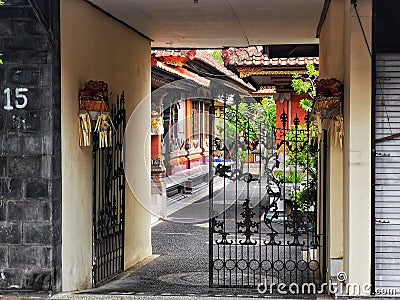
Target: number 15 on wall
(21,100)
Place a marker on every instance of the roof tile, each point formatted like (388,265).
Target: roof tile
(242,56)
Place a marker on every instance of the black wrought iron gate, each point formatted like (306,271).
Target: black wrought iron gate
(265,224)
(109,197)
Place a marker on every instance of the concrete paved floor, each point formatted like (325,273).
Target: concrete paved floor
(178,270)
(179,267)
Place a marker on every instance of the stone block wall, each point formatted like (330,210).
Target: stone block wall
(30,146)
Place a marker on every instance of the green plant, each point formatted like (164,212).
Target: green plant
(306,84)
(294,177)
(289,177)
(217,54)
(243,156)
(250,119)
(306,104)
(303,154)
(264,112)
(303,150)
(307,197)
(279,175)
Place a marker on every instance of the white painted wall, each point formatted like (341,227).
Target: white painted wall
(357,146)
(94,46)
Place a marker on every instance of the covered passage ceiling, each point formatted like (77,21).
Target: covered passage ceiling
(219,23)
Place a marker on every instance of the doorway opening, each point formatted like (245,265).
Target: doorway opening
(235,166)
(235,154)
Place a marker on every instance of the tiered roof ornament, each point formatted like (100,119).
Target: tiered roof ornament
(254,56)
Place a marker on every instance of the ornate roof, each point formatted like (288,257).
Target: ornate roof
(180,58)
(182,72)
(253,56)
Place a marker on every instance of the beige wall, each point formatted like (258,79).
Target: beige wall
(331,55)
(357,149)
(332,66)
(94,46)
(344,55)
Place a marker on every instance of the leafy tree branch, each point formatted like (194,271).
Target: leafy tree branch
(306,84)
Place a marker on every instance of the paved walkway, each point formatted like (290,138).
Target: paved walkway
(179,267)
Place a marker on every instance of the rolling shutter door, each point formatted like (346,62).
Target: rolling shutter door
(387,172)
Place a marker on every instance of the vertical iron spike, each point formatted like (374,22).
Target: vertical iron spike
(123,97)
(284,118)
(117,103)
(307,117)
(296,121)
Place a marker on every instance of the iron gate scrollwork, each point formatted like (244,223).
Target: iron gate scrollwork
(109,198)
(265,224)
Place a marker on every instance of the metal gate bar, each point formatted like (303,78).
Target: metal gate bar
(260,231)
(109,200)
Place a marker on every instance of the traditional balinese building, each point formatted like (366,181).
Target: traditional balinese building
(270,70)
(180,117)
(53,236)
